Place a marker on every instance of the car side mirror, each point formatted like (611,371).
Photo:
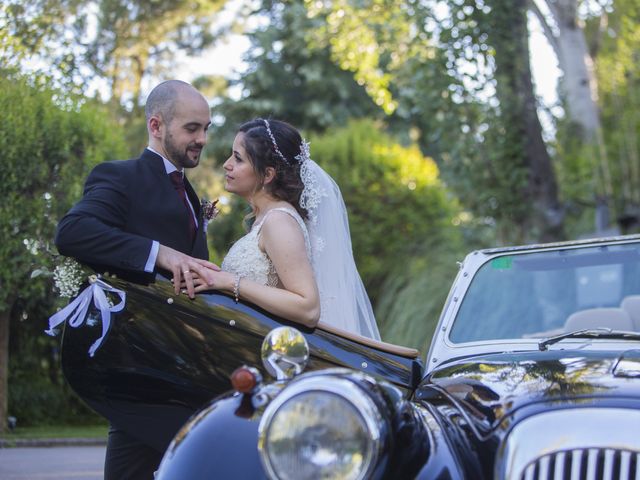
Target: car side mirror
(285,352)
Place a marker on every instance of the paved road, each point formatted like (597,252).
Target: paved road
(52,463)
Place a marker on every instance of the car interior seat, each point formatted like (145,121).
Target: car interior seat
(614,318)
(631,304)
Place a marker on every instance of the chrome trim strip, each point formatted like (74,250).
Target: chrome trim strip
(625,464)
(559,466)
(569,243)
(576,464)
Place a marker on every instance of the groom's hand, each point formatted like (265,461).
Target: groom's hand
(184,268)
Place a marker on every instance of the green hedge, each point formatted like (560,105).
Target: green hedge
(49,142)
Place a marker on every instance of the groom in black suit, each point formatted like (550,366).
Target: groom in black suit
(132,218)
(140,216)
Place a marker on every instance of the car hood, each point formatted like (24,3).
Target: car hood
(491,387)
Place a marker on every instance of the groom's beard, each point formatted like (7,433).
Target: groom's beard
(188,157)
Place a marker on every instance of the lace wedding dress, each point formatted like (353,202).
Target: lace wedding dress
(344,302)
(246,258)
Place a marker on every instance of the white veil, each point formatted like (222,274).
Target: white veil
(343,299)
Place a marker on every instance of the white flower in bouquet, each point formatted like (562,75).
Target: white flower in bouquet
(68,277)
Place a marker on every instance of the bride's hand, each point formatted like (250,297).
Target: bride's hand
(183,267)
(215,279)
(196,280)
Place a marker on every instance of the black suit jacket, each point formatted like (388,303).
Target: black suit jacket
(126,205)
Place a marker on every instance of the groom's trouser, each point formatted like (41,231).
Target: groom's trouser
(128,458)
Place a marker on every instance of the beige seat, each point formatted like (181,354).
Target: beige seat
(614,318)
(631,304)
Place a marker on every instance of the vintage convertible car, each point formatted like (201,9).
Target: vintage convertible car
(533,373)
(163,357)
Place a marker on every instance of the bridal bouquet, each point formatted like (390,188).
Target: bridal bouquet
(68,277)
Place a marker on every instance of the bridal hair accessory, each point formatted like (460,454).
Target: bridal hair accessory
(305,153)
(312,192)
(273,142)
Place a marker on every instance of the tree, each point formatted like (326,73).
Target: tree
(393,194)
(618,78)
(483,46)
(80,44)
(289,79)
(508,34)
(49,143)
(564,29)
(34,31)
(136,39)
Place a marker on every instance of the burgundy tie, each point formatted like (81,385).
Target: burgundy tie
(178,183)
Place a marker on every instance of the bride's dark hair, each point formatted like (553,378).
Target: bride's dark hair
(275,144)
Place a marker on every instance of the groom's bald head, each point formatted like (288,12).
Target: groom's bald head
(163,99)
(178,117)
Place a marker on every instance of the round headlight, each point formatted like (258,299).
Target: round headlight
(320,427)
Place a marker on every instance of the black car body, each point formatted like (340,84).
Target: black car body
(166,356)
(533,372)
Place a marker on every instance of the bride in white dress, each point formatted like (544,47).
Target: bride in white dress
(296,261)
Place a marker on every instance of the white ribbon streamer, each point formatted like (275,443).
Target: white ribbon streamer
(76,311)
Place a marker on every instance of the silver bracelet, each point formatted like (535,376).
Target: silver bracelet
(236,288)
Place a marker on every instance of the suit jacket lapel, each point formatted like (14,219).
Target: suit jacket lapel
(193,198)
(199,247)
(156,168)
(155,164)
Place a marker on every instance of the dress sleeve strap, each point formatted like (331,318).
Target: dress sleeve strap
(297,218)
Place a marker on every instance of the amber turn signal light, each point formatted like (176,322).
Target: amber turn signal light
(244,379)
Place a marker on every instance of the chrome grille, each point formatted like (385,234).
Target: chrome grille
(585,464)
(585,443)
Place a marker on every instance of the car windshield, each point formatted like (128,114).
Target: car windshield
(536,295)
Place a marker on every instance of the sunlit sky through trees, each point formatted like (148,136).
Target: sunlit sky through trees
(225,59)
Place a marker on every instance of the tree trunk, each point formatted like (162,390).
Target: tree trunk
(543,189)
(5,317)
(578,84)
(579,87)
(510,38)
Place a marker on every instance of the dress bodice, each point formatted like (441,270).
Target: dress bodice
(246,258)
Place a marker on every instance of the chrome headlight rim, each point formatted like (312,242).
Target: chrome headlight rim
(350,392)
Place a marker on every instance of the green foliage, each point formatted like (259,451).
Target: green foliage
(35,30)
(38,393)
(415,290)
(457,75)
(403,226)
(606,170)
(290,80)
(118,42)
(134,39)
(99,431)
(358,34)
(393,194)
(618,75)
(49,144)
